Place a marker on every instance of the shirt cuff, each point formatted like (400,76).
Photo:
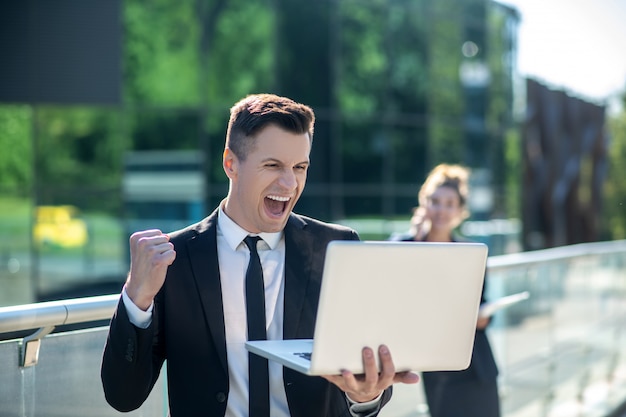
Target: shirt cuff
(366,409)
(137,316)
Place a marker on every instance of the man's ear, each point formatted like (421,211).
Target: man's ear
(229,163)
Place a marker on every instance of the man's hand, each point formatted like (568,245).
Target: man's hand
(368,386)
(150,254)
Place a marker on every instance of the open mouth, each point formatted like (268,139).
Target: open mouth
(276,205)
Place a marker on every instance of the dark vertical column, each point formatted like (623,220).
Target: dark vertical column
(304,73)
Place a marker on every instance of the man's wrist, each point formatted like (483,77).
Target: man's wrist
(367,408)
(143,304)
(136,315)
(353,401)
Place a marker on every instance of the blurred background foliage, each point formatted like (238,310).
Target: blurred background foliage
(615,187)
(382,75)
(16,156)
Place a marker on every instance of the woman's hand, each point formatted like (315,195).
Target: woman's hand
(420,224)
(482,322)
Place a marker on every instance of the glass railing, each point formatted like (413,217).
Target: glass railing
(561,352)
(43,373)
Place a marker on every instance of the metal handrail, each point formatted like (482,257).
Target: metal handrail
(57,313)
(45,316)
(558,253)
(79,310)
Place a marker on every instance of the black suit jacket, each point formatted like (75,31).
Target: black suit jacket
(187,328)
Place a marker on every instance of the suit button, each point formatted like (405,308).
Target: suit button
(130,350)
(220,397)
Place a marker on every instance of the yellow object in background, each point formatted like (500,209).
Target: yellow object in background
(59,226)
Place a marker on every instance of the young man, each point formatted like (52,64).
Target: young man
(185,297)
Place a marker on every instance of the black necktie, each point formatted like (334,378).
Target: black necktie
(259,391)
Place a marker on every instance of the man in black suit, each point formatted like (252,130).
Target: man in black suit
(184,300)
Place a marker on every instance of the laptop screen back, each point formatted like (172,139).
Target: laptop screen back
(420,299)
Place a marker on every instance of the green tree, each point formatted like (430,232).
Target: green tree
(16,146)
(78,154)
(161,61)
(614,206)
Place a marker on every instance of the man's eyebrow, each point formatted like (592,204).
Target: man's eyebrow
(272,159)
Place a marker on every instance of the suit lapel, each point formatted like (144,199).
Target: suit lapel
(298,257)
(204,264)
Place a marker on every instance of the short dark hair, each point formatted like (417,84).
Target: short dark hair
(253,113)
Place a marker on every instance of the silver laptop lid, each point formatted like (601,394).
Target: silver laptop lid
(419,298)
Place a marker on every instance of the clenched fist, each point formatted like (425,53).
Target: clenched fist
(150,255)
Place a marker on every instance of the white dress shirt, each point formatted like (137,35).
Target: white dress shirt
(233,252)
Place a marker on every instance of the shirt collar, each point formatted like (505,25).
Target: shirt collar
(235,234)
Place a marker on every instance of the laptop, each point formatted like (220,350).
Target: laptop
(421,299)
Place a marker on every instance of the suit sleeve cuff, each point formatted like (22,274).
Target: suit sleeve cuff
(137,316)
(366,409)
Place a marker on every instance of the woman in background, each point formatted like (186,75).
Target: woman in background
(472,392)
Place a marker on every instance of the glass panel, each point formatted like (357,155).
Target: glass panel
(559,352)
(562,352)
(11,381)
(66,380)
